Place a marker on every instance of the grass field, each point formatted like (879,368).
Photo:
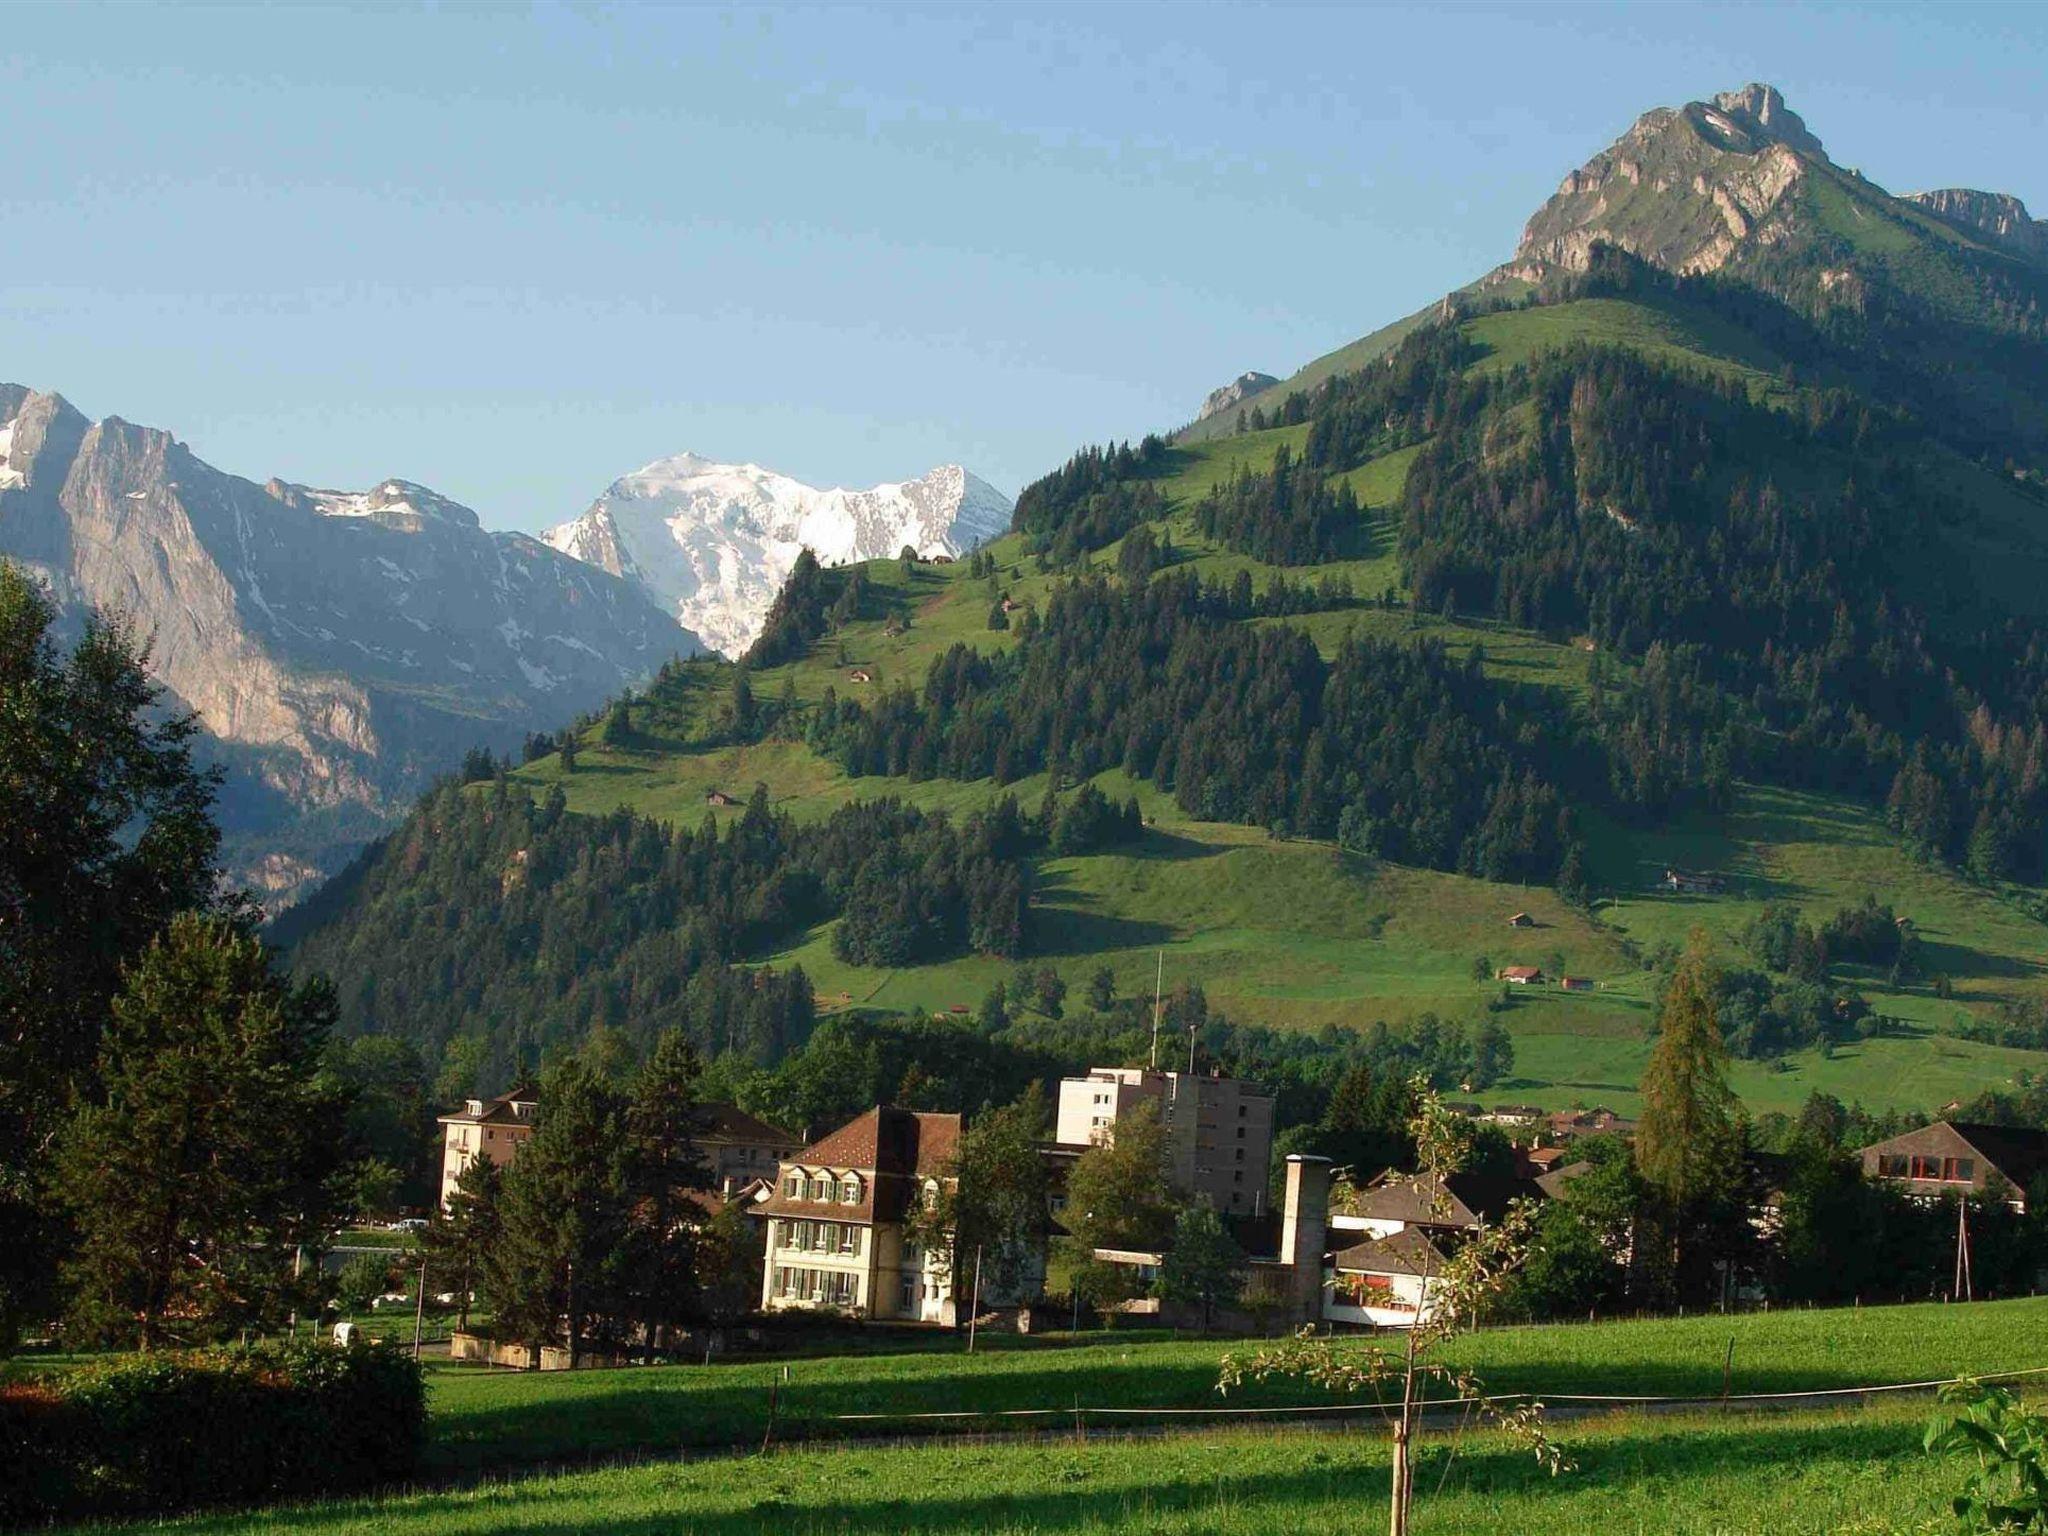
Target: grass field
(1802,1470)
(1733,1476)
(484,1419)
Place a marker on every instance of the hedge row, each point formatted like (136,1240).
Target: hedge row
(151,1434)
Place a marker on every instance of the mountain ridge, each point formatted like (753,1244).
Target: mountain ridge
(340,647)
(712,542)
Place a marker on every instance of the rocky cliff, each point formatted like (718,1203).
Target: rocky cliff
(341,648)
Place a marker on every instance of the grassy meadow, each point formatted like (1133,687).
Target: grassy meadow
(1861,1473)
(1802,1469)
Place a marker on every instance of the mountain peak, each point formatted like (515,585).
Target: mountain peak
(713,542)
(1684,189)
(1998,218)
(1761,110)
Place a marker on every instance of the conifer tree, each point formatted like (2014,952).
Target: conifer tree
(105,832)
(563,1209)
(665,1167)
(1688,1143)
(461,1236)
(202,1169)
(1203,1266)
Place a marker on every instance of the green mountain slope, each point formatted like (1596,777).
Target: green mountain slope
(1662,550)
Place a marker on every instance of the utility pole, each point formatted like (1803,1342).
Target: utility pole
(1158,982)
(1963,1286)
(974,1306)
(419,1309)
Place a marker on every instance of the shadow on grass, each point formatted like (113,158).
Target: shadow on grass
(1090,1487)
(667,1411)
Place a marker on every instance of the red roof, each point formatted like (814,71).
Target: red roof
(893,1150)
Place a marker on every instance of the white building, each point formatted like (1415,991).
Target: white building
(1219,1130)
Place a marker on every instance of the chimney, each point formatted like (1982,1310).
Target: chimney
(1304,1232)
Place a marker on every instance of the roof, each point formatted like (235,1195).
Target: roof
(894,1150)
(1524,972)
(730,1123)
(1457,1200)
(1552,1183)
(2015,1151)
(1406,1252)
(498,1109)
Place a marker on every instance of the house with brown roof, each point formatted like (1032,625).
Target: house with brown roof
(1520,975)
(1952,1157)
(489,1128)
(835,1220)
(719,797)
(1387,1282)
(1451,1203)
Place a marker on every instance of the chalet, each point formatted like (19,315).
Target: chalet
(1961,1157)
(740,1148)
(1577,983)
(1394,1202)
(942,559)
(836,1221)
(1679,880)
(1513,1115)
(1011,605)
(1520,975)
(861,675)
(1387,1282)
(720,797)
(1521,920)
(1567,1124)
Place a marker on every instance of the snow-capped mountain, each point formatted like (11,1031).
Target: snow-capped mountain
(340,647)
(714,542)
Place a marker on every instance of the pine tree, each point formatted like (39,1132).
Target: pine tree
(202,1169)
(665,1166)
(105,832)
(463,1233)
(563,1216)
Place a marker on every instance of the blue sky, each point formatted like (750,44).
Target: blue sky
(513,253)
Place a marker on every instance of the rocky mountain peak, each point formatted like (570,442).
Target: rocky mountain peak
(1235,393)
(1684,189)
(1761,111)
(1998,218)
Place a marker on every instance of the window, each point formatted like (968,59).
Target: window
(1890,1165)
(1959,1170)
(849,1238)
(1240,1154)
(1240,1133)
(849,1189)
(821,1187)
(793,1186)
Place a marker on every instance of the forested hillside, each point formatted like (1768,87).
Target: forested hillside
(1619,600)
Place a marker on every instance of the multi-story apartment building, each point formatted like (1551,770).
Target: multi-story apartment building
(1219,1130)
(738,1148)
(492,1128)
(835,1219)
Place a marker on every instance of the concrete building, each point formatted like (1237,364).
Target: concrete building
(741,1148)
(835,1220)
(1219,1130)
(492,1128)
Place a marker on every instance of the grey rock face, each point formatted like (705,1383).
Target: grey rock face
(1236,393)
(340,648)
(1998,218)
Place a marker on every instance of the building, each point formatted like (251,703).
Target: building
(1567,1124)
(741,1148)
(1386,1282)
(1520,975)
(1398,1202)
(1521,920)
(1578,983)
(1961,1157)
(1219,1130)
(719,797)
(737,1147)
(492,1128)
(835,1219)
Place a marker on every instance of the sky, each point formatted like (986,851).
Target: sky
(514,253)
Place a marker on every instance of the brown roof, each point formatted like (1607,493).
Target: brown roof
(498,1109)
(1406,1252)
(730,1123)
(1457,1200)
(1553,1182)
(2016,1152)
(1526,972)
(893,1150)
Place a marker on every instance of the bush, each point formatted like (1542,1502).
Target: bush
(152,1434)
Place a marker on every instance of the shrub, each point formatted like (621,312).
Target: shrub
(151,1434)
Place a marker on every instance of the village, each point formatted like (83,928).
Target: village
(836,1218)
